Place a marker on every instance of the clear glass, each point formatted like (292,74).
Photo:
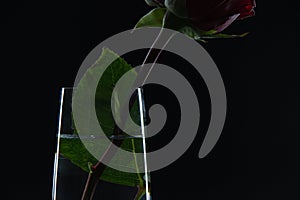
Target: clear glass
(69,180)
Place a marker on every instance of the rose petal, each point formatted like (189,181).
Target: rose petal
(227,22)
(218,14)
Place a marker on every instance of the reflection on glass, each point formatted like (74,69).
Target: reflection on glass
(69,179)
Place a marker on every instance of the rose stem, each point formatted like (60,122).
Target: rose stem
(99,167)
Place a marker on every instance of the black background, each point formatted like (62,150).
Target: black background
(257,155)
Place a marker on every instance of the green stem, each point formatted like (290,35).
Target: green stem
(141,191)
(98,169)
(136,164)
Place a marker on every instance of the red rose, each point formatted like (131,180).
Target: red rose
(209,14)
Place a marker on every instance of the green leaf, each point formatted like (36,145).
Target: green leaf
(73,149)
(223,35)
(152,19)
